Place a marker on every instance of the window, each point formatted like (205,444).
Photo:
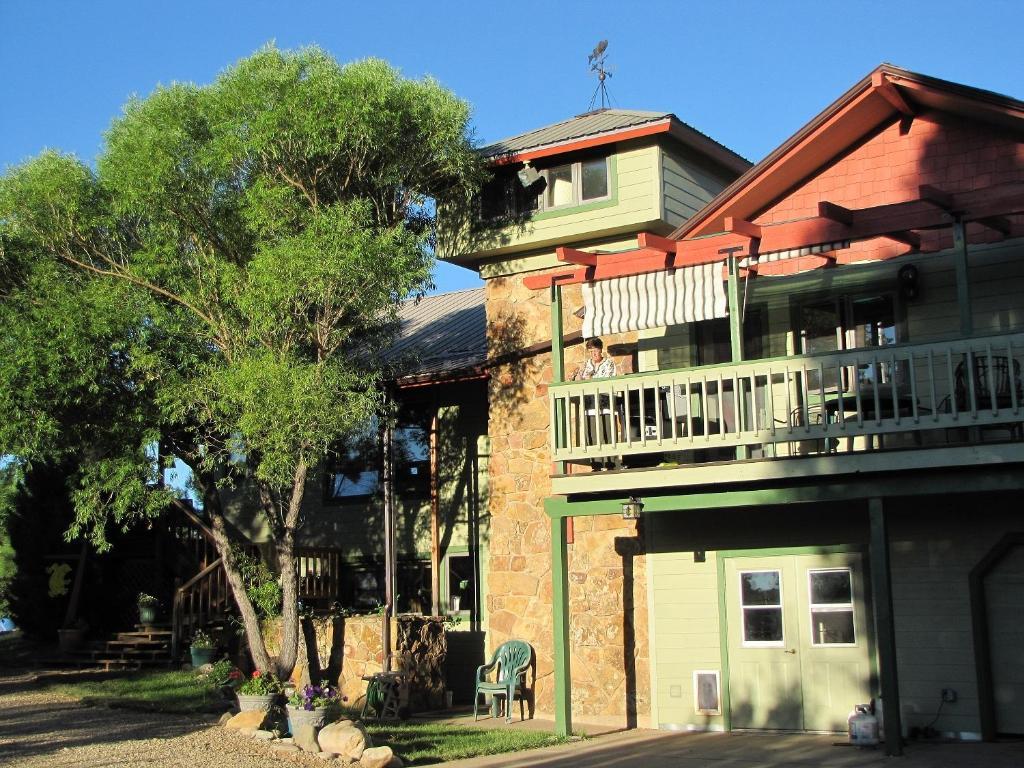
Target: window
(761,602)
(848,322)
(461,583)
(583,181)
(362,587)
(354,469)
(712,339)
(831,606)
(413,588)
(505,196)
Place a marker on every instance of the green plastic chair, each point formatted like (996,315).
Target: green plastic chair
(511,660)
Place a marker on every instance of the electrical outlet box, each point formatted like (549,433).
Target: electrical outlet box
(948,695)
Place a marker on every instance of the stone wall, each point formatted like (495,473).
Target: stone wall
(608,616)
(353,645)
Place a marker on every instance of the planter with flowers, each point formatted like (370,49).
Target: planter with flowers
(203,650)
(314,705)
(147,608)
(261,691)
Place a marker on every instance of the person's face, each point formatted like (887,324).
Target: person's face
(595,354)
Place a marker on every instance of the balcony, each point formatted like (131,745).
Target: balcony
(873,409)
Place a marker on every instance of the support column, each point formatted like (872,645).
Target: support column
(736,337)
(881,596)
(963,286)
(560,616)
(558,368)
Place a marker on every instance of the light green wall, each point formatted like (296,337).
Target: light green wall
(688,182)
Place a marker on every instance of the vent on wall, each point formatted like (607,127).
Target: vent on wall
(707,692)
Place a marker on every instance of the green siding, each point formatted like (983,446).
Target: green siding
(688,182)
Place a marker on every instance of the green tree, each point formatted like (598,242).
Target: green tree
(220,282)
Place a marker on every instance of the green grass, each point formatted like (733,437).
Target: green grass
(428,743)
(168,691)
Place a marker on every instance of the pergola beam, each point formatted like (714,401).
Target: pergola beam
(836,213)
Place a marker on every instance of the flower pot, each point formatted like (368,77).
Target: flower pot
(147,614)
(201,656)
(258,701)
(318,717)
(70,639)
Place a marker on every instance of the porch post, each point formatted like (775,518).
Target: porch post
(560,617)
(963,286)
(736,337)
(881,596)
(558,367)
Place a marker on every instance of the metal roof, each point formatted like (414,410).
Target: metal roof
(441,334)
(588,124)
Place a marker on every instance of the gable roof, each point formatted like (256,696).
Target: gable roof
(440,335)
(885,95)
(606,126)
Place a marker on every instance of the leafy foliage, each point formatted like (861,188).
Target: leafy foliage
(260,584)
(261,684)
(221,283)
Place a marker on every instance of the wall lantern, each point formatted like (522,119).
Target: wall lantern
(631,509)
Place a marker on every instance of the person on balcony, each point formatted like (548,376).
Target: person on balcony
(596,365)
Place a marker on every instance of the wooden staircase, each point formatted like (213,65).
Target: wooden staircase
(145,647)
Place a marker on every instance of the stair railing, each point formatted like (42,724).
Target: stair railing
(200,600)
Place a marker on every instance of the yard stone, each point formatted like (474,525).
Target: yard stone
(285,748)
(396,762)
(376,757)
(263,735)
(223,720)
(344,739)
(304,736)
(251,719)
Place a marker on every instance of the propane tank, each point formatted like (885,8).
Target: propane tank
(863,727)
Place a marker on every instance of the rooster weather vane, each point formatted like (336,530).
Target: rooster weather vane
(596,60)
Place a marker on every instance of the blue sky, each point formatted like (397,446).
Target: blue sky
(747,73)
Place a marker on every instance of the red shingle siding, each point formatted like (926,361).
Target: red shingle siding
(953,155)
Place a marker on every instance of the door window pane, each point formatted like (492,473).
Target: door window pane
(461,583)
(831,601)
(559,189)
(595,178)
(761,599)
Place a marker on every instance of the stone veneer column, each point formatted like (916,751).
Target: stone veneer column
(610,668)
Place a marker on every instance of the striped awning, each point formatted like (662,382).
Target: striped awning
(654,300)
(793,253)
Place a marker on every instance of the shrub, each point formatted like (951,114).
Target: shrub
(261,684)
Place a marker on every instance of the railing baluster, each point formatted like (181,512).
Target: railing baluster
(874,382)
(789,398)
(721,407)
(951,380)
(892,388)
(912,373)
(804,385)
(1011,375)
(629,419)
(931,384)
(991,380)
(970,382)
(689,412)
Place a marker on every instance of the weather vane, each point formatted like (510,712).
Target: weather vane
(596,61)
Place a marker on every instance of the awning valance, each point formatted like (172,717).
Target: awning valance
(654,300)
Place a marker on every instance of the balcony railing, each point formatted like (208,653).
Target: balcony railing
(904,395)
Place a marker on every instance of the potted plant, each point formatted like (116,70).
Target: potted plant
(314,705)
(203,649)
(261,691)
(70,638)
(147,608)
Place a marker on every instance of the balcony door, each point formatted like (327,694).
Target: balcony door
(797,641)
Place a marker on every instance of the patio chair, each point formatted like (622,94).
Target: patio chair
(510,662)
(986,382)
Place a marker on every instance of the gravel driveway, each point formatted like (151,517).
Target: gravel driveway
(38,728)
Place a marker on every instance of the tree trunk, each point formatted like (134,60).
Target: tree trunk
(285,546)
(251,622)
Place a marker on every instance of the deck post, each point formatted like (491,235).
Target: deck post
(963,286)
(558,368)
(736,336)
(560,616)
(881,596)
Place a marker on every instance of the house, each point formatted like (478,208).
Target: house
(821,420)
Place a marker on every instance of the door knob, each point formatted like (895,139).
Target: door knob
(791,650)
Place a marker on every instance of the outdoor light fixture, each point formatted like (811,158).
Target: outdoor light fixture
(528,176)
(631,509)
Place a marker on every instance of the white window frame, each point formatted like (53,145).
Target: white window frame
(813,607)
(780,607)
(577,186)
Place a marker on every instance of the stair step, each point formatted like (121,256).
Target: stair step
(138,643)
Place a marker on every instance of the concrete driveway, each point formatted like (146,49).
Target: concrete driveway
(662,749)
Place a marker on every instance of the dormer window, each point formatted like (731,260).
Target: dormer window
(577,183)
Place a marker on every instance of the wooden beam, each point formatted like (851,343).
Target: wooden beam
(650,240)
(909,238)
(742,227)
(882,85)
(936,197)
(1000,224)
(574,256)
(836,213)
